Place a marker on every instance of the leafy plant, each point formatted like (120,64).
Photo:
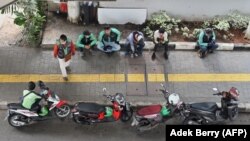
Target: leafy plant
(162,20)
(222,25)
(31,18)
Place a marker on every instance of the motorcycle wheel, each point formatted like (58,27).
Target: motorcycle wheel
(191,120)
(15,120)
(127,115)
(63,111)
(233,114)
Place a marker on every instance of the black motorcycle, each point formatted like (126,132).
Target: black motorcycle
(89,113)
(210,113)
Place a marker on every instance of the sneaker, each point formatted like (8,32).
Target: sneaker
(83,54)
(65,78)
(90,53)
(136,54)
(132,55)
(211,51)
(68,69)
(127,53)
(110,53)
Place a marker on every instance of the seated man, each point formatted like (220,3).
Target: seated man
(135,44)
(160,40)
(206,42)
(109,40)
(31,99)
(86,42)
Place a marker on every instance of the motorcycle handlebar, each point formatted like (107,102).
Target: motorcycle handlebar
(217,94)
(108,96)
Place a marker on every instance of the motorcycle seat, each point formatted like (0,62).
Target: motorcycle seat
(205,106)
(149,110)
(16,106)
(90,108)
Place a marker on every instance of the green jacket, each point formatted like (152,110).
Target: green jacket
(30,99)
(82,41)
(203,40)
(115,35)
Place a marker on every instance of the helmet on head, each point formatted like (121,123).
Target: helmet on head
(209,30)
(161,30)
(86,32)
(31,85)
(234,92)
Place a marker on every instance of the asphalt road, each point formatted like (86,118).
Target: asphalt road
(55,130)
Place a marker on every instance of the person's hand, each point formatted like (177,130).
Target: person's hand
(117,42)
(105,48)
(55,57)
(87,46)
(73,53)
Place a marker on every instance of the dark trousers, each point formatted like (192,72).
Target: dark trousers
(209,47)
(138,48)
(165,45)
(36,107)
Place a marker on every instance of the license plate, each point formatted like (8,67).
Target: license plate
(7,115)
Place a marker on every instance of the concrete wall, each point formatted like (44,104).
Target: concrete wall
(185,9)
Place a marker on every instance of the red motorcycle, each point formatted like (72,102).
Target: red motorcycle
(151,116)
(89,113)
(18,116)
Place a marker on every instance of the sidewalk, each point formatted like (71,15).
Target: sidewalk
(57,25)
(138,85)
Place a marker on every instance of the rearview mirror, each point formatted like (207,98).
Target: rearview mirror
(162,85)
(215,89)
(104,89)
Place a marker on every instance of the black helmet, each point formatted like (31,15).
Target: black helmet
(41,84)
(209,30)
(107,27)
(86,32)
(31,85)
(161,30)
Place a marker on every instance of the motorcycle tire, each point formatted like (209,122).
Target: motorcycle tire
(233,114)
(13,117)
(63,111)
(127,115)
(191,120)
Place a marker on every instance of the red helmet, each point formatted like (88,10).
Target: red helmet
(234,92)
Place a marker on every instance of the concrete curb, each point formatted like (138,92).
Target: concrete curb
(176,46)
(243,107)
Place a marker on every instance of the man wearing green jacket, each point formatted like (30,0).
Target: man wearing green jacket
(31,99)
(109,40)
(86,42)
(206,41)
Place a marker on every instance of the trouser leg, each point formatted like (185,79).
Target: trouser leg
(63,67)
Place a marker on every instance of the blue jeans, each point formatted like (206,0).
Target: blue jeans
(113,46)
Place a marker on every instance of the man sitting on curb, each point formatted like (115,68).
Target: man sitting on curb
(206,42)
(160,40)
(86,42)
(135,44)
(109,40)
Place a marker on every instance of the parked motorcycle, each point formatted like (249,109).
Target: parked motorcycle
(149,117)
(19,116)
(210,113)
(89,113)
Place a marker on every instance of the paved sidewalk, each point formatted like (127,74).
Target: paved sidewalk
(57,25)
(229,68)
